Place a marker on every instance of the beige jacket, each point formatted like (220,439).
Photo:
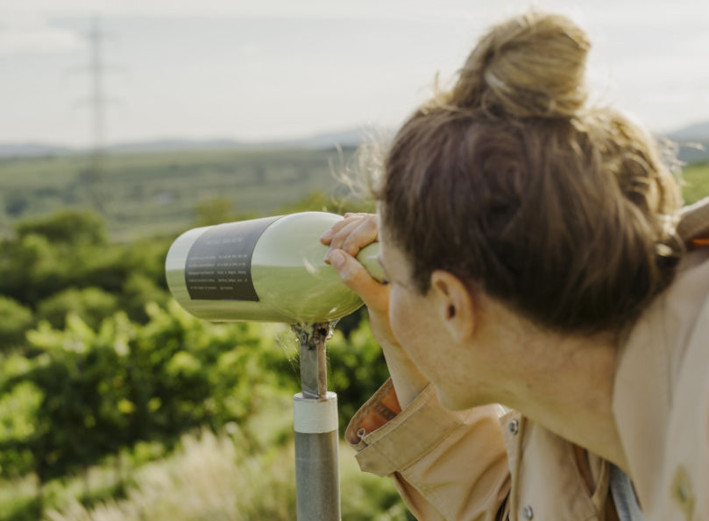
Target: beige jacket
(487,464)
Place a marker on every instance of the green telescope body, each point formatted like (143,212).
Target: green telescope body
(269,269)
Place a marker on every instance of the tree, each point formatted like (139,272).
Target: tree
(92,305)
(66,226)
(215,211)
(16,320)
(99,390)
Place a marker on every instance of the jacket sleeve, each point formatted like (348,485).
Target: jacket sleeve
(447,465)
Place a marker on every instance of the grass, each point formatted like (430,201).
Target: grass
(224,478)
(212,477)
(18,499)
(695,182)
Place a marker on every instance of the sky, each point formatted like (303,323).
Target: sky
(254,70)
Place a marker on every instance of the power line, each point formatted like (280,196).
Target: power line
(98,98)
(97,101)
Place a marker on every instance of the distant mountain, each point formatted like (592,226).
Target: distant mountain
(31,149)
(693,142)
(692,139)
(345,139)
(694,132)
(167,145)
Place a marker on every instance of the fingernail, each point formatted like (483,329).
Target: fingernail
(337,258)
(326,235)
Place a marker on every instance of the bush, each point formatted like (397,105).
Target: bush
(47,257)
(92,305)
(106,388)
(30,269)
(215,211)
(139,290)
(16,320)
(67,227)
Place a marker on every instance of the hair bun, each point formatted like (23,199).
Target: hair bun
(529,66)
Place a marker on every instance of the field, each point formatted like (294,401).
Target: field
(695,182)
(154,193)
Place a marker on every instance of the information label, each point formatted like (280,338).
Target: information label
(218,265)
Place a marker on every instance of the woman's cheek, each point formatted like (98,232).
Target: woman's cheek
(396,314)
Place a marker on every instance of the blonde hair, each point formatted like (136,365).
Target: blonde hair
(514,183)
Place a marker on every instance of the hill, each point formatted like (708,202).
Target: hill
(693,142)
(694,132)
(348,138)
(31,149)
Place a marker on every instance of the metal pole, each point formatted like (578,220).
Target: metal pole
(317,473)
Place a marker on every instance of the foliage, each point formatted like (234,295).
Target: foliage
(92,305)
(215,210)
(16,319)
(139,288)
(356,369)
(60,255)
(106,389)
(18,410)
(28,269)
(66,226)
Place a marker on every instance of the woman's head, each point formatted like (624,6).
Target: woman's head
(511,182)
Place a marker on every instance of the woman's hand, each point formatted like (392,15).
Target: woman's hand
(346,238)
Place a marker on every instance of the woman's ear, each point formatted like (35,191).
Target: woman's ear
(455,305)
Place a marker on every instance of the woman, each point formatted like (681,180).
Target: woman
(530,243)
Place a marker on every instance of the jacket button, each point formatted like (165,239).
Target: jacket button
(527,512)
(514,426)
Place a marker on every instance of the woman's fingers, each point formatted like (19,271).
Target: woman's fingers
(364,234)
(326,237)
(374,294)
(352,233)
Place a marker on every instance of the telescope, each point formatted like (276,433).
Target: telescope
(269,269)
(272,269)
